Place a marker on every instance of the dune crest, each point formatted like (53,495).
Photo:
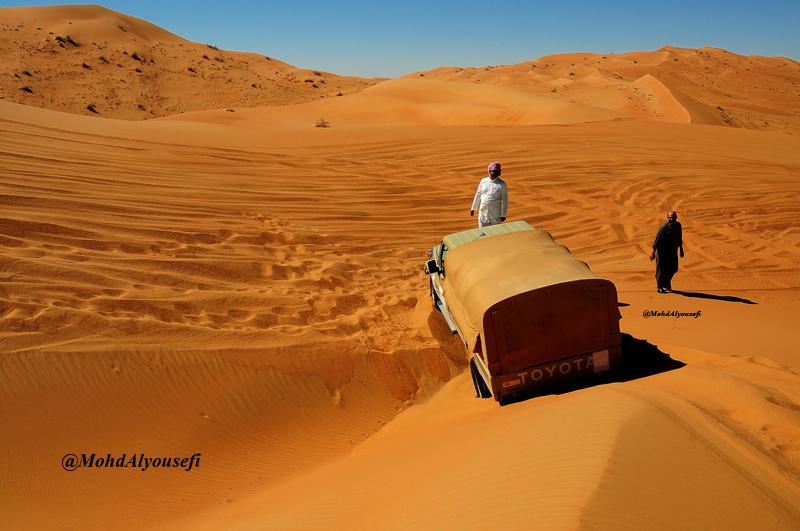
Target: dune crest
(662,103)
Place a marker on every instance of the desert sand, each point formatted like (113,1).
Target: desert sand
(248,286)
(94,61)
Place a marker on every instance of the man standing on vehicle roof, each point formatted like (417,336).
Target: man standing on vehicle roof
(665,251)
(491,198)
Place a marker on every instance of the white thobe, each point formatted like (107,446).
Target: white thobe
(491,201)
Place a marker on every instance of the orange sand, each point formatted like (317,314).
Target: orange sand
(712,86)
(248,286)
(71,57)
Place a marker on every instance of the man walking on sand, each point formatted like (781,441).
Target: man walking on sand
(491,198)
(665,251)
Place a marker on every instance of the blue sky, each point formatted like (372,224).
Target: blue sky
(372,38)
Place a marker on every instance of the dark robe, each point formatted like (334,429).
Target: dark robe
(668,240)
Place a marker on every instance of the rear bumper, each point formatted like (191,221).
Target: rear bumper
(551,373)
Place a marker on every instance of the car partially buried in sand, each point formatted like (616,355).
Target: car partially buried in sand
(529,313)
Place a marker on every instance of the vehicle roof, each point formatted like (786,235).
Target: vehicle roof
(491,270)
(457,239)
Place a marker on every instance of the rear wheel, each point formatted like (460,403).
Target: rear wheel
(481,389)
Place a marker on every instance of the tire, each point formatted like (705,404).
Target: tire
(481,389)
(433,294)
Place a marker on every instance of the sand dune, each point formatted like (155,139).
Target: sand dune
(95,61)
(247,286)
(546,475)
(663,103)
(713,85)
(405,102)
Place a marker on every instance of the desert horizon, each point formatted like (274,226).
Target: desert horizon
(216,257)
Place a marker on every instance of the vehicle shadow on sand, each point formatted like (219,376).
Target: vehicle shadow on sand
(726,298)
(639,360)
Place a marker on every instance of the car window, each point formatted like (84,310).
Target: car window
(443,253)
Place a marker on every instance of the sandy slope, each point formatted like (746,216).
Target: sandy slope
(712,85)
(655,453)
(71,57)
(252,291)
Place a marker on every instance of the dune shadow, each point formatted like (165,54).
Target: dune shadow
(726,298)
(639,360)
(622,304)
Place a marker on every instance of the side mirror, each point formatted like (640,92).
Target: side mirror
(431,267)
